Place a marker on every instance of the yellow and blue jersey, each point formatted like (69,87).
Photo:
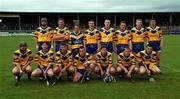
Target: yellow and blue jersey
(44,35)
(22,58)
(79,60)
(122,37)
(63,59)
(61,31)
(44,59)
(76,40)
(154,37)
(106,35)
(137,39)
(91,36)
(104,61)
(138,36)
(154,34)
(126,61)
(147,59)
(58,31)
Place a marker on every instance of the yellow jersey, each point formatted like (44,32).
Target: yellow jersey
(104,61)
(79,61)
(126,61)
(106,35)
(58,31)
(91,36)
(122,37)
(154,34)
(44,35)
(147,58)
(22,59)
(63,59)
(137,36)
(76,40)
(44,59)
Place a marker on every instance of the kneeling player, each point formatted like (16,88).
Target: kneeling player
(44,58)
(64,62)
(148,59)
(104,64)
(126,63)
(22,61)
(82,64)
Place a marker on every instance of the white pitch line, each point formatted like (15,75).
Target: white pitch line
(170,68)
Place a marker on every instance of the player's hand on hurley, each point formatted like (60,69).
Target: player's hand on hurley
(102,73)
(125,71)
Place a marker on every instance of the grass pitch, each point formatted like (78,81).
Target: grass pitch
(167,85)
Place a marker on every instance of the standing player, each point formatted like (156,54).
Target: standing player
(43,34)
(45,60)
(64,62)
(22,60)
(148,58)
(137,34)
(77,40)
(61,34)
(106,35)
(154,38)
(91,38)
(104,63)
(126,63)
(82,64)
(122,37)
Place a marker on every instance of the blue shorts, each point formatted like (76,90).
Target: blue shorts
(121,47)
(40,45)
(81,71)
(109,46)
(91,48)
(155,45)
(137,47)
(75,51)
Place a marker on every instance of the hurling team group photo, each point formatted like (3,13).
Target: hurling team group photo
(89,49)
(81,55)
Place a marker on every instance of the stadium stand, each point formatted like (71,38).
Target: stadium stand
(26,23)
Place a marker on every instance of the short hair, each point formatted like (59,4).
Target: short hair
(103,46)
(149,45)
(138,19)
(23,44)
(123,22)
(153,19)
(60,19)
(91,20)
(81,48)
(127,48)
(107,19)
(64,44)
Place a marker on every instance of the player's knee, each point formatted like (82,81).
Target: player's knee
(136,70)
(156,71)
(96,69)
(71,69)
(50,73)
(77,77)
(28,69)
(118,69)
(56,70)
(15,71)
(92,65)
(35,73)
(142,70)
(112,70)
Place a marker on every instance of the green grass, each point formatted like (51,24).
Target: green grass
(167,85)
